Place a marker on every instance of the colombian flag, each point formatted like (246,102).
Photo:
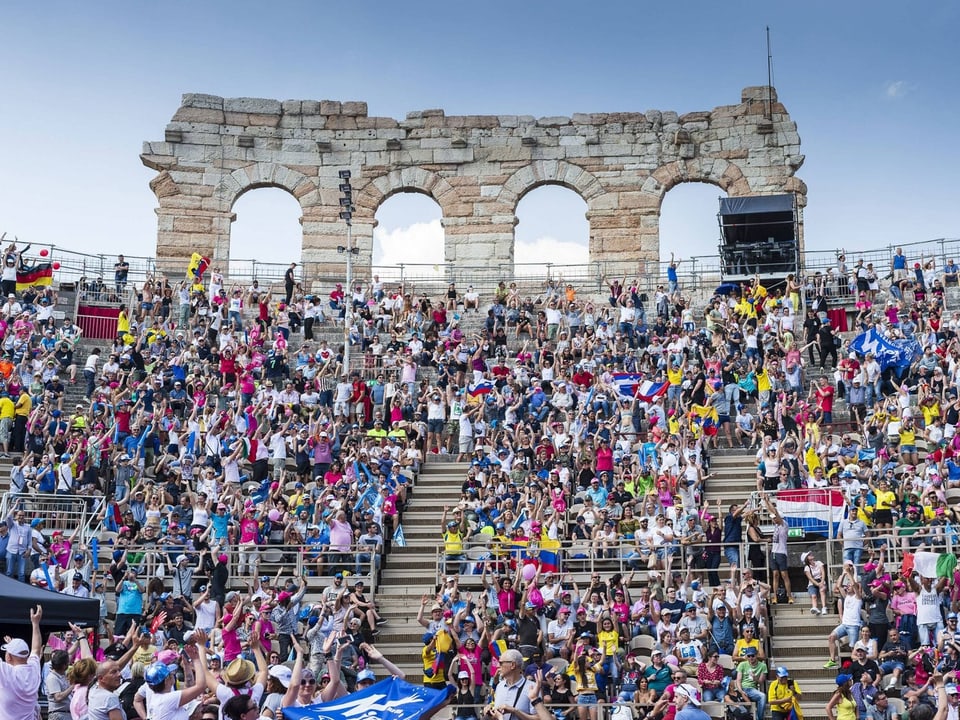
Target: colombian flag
(544,553)
(706,416)
(30,275)
(197,267)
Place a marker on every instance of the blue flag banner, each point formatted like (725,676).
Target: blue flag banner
(398,537)
(391,699)
(886,352)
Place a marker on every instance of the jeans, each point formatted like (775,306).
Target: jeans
(853,555)
(17,561)
(759,698)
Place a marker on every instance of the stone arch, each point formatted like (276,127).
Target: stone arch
(409,179)
(549,172)
(722,173)
(260,175)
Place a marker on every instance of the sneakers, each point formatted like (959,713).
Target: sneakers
(381,621)
(890,686)
(773,600)
(831,663)
(790,600)
(814,611)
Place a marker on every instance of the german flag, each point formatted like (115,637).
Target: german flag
(30,275)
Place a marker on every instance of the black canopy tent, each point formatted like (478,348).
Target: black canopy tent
(17,599)
(759,236)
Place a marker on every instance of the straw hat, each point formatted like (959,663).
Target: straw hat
(239,671)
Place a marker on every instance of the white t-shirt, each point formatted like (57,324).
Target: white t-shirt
(224,693)
(851,611)
(928,606)
(18,689)
(166,706)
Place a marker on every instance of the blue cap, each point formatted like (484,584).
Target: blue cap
(366,674)
(689,606)
(843,679)
(157,673)
(782,672)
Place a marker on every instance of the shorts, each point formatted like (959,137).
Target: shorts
(883,517)
(435,426)
(813,590)
(778,561)
(723,420)
(587,699)
(908,448)
(851,631)
(732,555)
(466,445)
(5,425)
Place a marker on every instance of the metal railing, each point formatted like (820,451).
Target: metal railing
(60,512)
(300,560)
(622,555)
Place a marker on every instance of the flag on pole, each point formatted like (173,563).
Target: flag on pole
(814,510)
(648,390)
(37,274)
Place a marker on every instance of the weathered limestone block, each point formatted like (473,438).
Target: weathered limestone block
(476,166)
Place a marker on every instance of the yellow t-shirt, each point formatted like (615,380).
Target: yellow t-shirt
(885,499)
(930,412)
(24,405)
(6,408)
(675,375)
(608,641)
(907,437)
(452,543)
(743,645)
(763,381)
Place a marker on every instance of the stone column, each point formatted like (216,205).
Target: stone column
(624,231)
(323,232)
(478,247)
(180,233)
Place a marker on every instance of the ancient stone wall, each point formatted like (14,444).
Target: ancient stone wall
(477,168)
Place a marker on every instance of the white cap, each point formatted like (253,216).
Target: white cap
(282,673)
(17,647)
(687,691)
(181,558)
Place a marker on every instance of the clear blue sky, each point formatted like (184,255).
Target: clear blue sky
(873,88)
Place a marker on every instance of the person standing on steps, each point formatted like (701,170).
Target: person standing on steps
(779,561)
(850,620)
(289,282)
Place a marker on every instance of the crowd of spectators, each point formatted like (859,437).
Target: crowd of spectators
(218,430)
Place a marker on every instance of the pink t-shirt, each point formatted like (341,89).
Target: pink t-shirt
(231,642)
(249,530)
(341,536)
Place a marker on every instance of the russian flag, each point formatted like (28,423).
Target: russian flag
(818,511)
(481,388)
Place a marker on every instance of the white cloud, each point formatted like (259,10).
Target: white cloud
(897,89)
(420,244)
(548,249)
(419,247)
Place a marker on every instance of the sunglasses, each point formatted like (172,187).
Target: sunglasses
(308,682)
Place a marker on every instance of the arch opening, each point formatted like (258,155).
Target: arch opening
(552,229)
(266,234)
(688,221)
(408,240)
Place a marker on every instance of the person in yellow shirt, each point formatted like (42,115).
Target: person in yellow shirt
(21,412)
(885,499)
(908,442)
(7,410)
(783,695)
(433,675)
